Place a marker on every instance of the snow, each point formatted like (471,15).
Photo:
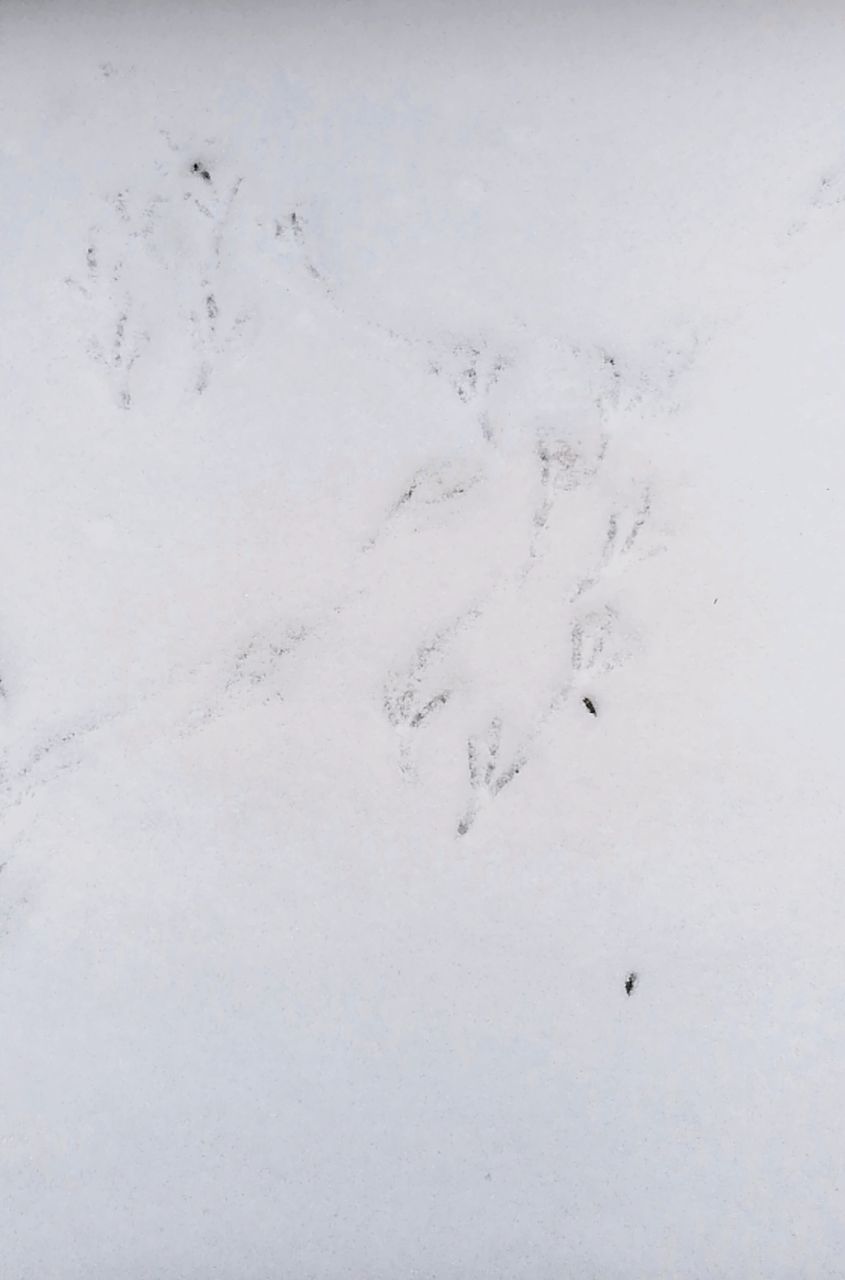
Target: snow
(495,365)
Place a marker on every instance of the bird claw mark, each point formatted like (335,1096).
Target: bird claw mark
(590,638)
(407,708)
(640,517)
(154,228)
(405,702)
(830,190)
(432,485)
(439,700)
(291,226)
(253,671)
(500,364)
(463,374)
(565,464)
(619,543)
(507,776)
(259,658)
(53,755)
(124,347)
(290,231)
(486,778)
(469,371)
(429,487)
(119,351)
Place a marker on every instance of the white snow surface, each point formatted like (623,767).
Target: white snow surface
(378,381)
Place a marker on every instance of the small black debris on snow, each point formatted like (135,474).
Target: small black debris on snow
(196,167)
(590,705)
(630,982)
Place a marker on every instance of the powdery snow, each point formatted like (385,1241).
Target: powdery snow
(420,631)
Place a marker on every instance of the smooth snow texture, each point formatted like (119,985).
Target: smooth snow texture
(378,383)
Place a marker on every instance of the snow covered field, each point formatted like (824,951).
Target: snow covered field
(378,383)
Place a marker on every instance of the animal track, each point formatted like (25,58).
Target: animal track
(259,659)
(486,777)
(163,240)
(53,754)
(406,703)
(568,459)
(436,484)
(290,227)
(591,638)
(566,462)
(826,199)
(472,373)
(428,487)
(291,232)
(566,465)
(624,530)
(558,453)
(460,366)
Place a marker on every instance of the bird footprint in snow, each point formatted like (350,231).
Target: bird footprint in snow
(487,777)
